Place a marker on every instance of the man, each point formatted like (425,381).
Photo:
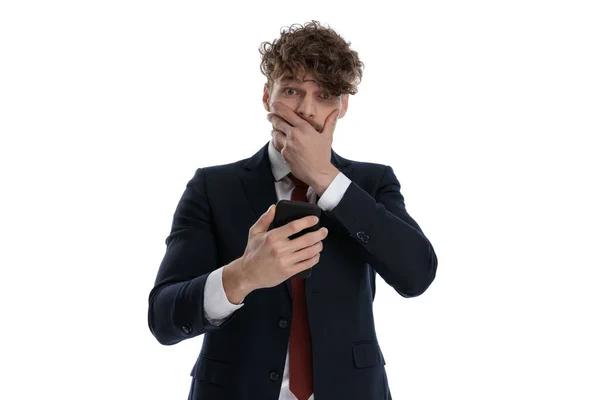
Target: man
(266,335)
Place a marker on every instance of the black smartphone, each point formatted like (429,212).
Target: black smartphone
(289,210)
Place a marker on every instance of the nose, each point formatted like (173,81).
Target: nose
(306,108)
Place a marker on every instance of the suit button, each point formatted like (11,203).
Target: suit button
(273,376)
(186,328)
(363,237)
(283,323)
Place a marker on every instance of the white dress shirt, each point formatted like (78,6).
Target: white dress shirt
(216,305)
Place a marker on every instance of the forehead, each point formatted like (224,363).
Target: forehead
(288,77)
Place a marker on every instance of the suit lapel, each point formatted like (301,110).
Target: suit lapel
(259,186)
(258,181)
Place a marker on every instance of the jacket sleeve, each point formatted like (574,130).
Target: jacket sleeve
(394,244)
(176,306)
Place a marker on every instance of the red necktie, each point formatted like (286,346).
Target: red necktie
(301,378)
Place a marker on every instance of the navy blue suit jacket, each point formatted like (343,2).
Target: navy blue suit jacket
(369,232)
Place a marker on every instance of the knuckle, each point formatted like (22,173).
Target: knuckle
(268,238)
(276,251)
(279,263)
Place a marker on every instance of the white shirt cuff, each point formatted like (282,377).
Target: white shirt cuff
(217,306)
(334,192)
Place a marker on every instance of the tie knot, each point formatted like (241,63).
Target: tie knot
(297,182)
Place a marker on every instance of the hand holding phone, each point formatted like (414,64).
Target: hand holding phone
(277,249)
(287,211)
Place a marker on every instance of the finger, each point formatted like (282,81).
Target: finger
(295,226)
(287,114)
(263,222)
(306,253)
(279,135)
(330,123)
(306,240)
(311,262)
(280,123)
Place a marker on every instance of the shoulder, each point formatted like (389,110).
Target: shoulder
(365,170)
(220,170)
(211,176)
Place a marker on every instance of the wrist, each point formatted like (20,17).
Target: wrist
(325,180)
(235,283)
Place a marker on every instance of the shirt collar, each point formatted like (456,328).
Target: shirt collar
(278,166)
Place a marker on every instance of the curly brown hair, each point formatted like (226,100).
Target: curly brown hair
(317,49)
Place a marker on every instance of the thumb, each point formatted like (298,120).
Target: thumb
(262,224)
(330,123)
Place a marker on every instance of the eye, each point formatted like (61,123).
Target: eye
(326,95)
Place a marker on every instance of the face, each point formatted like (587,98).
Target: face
(311,102)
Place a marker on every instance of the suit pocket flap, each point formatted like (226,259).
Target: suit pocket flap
(210,370)
(367,354)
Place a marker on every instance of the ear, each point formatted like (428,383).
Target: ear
(266,97)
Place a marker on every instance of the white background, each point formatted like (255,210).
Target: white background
(487,111)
